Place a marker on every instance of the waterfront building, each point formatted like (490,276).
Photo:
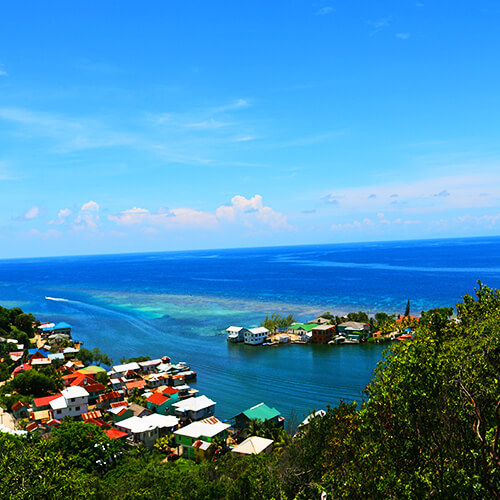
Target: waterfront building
(260,412)
(256,336)
(236,333)
(196,408)
(321,334)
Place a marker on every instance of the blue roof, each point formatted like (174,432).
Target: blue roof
(62,325)
(35,350)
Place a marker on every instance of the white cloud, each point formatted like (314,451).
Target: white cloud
(90,206)
(252,213)
(32,213)
(88,218)
(249,213)
(177,218)
(324,11)
(379,25)
(403,36)
(62,215)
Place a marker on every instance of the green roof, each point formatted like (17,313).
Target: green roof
(307,326)
(261,412)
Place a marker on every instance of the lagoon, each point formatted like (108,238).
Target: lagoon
(179,303)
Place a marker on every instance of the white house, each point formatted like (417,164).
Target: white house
(72,403)
(256,336)
(149,428)
(196,408)
(236,333)
(118,370)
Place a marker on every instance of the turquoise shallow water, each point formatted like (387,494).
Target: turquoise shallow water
(178,304)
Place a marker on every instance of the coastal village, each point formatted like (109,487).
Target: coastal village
(323,330)
(138,402)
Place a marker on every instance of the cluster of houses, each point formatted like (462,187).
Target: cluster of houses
(169,405)
(317,331)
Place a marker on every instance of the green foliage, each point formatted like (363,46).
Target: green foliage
(85,446)
(359,316)
(103,378)
(88,357)
(33,470)
(407,310)
(33,382)
(385,323)
(137,359)
(276,322)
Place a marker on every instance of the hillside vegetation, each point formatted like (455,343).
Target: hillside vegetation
(429,429)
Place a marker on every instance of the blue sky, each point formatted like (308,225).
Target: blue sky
(164,125)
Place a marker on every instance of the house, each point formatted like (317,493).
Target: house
(254,445)
(194,408)
(260,412)
(119,413)
(120,370)
(20,409)
(161,402)
(40,404)
(311,416)
(104,400)
(256,336)
(321,321)
(72,403)
(24,367)
(353,328)
(158,403)
(204,430)
(135,384)
(321,334)
(150,365)
(149,428)
(113,433)
(62,328)
(236,333)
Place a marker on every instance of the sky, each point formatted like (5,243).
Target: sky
(177,125)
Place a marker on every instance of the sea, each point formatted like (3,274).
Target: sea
(180,303)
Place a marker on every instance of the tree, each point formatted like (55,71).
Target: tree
(276,322)
(85,356)
(85,446)
(33,383)
(407,310)
(360,317)
(102,378)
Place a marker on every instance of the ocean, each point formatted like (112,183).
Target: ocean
(179,304)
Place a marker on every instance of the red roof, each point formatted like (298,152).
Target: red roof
(45,401)
(170,391)
(119,403)
(19,405)
(157,399)
(97,387)
(115,433)
(136,384)
(21,368)
(32,426)
(109,395)
(91,415)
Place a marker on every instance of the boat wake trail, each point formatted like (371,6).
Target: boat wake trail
(57,299)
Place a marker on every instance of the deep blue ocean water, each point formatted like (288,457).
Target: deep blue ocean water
(179,303)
